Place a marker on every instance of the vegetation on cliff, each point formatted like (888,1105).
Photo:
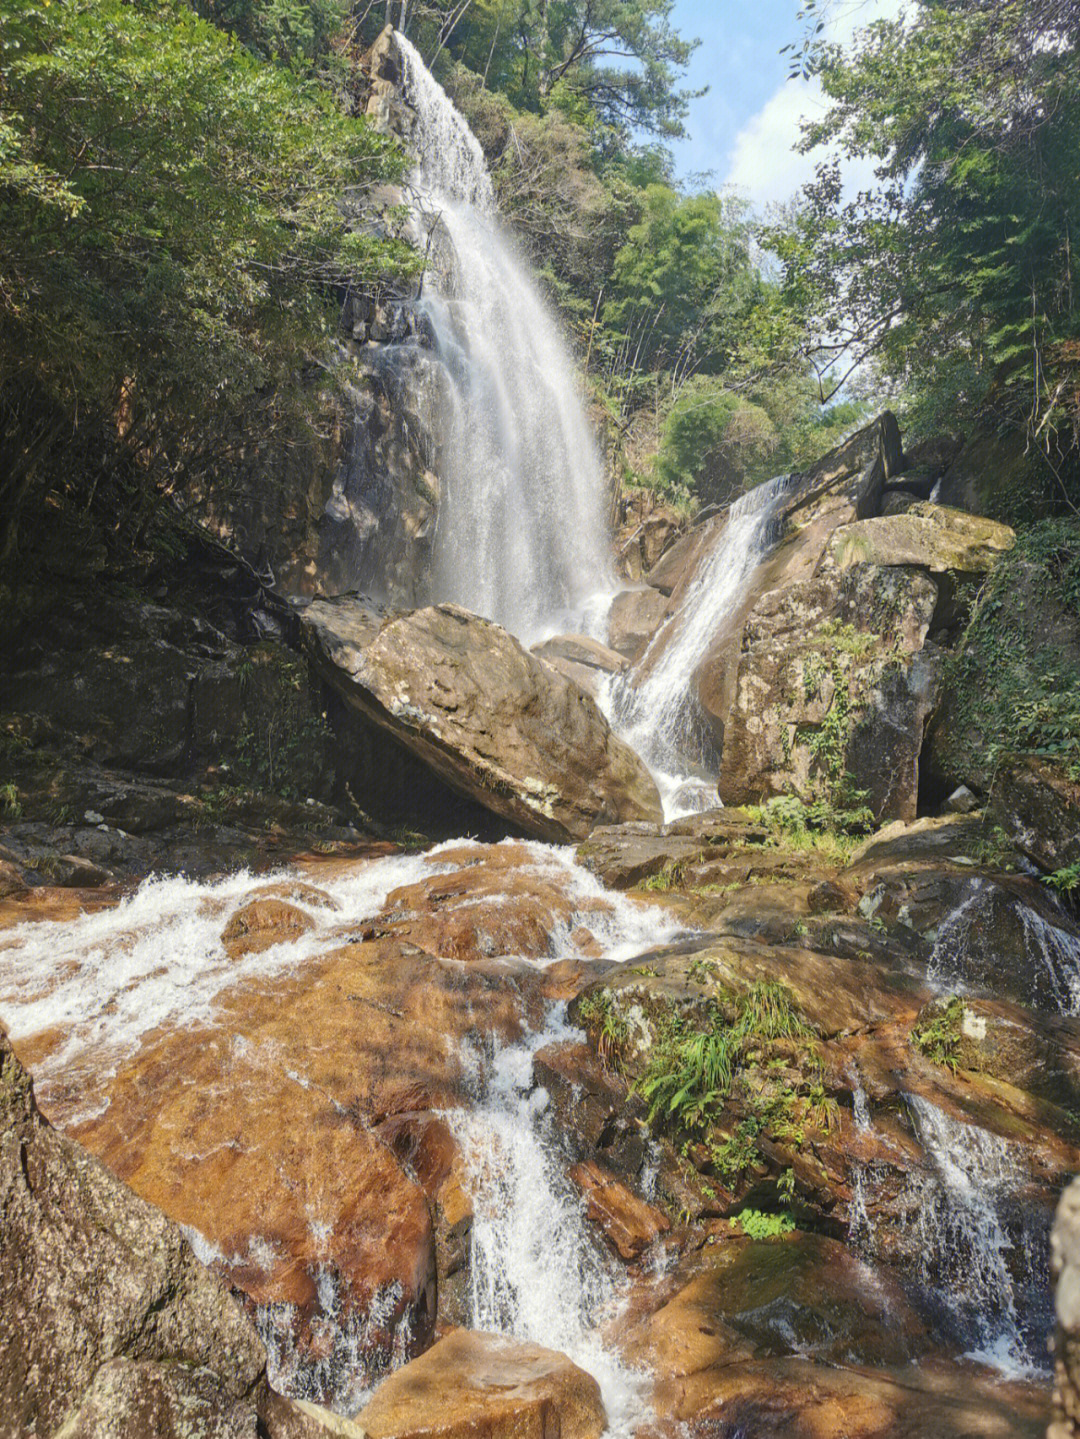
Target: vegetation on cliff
(174,249)
(955,272)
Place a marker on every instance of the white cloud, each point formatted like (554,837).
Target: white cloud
(763,162)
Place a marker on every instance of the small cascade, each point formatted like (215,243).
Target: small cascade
(1057,951)
(653,706)
(523,534)
(947,968)
(538,1271)
(983,1257)
(1051,975)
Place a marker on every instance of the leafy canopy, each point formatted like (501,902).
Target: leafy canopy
(173,237)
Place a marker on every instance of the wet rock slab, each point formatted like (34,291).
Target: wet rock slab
(110,1325)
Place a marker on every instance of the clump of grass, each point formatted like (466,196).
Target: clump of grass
(606,1027)
(937,1036)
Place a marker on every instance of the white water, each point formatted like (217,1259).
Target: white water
(1057,951)
(653,706)
(977,1259)
(538,1271)
(523,535)
(105,981)
(157,959)
(1052,952)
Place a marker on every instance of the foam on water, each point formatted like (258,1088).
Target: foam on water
(982,1257)
(157,959)
(538,1270)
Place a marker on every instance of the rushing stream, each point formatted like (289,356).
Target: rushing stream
(538,1269)
(524,538)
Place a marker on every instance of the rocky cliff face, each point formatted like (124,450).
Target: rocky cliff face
(823,679)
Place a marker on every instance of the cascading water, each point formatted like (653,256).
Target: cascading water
(523,536)
(983,1255)
(537,1270)
(653,706)
(1051,976)
(1058,951)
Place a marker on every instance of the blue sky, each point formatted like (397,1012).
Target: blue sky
(744,129)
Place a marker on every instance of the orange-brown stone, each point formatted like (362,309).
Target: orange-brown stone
(629,1224)
(262,923)
(484,1386)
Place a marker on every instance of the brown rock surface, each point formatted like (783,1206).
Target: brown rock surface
(634,618)
(484,1386)
(111,1327)
(262,923)
(629,1224)
(494,722)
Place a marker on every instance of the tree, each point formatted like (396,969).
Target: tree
(620,58)
(174,245)
(682,284)
(956,270)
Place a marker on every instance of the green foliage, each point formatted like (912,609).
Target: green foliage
(1013,683)
(173,238)
(758,1224)
(616,60)
(956,269)
(1065,881)
(670,877)
(297,33)
(9,801)
(714,444)
(938,1035)
(690,1074)
(606,1026)
(800,823)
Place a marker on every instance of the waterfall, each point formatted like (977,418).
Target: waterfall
(538,1271)
(1052,952)
(1058,953)
(653,706)
(982,1259)
(523,535)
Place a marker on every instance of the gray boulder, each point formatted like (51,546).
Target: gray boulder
(494,722)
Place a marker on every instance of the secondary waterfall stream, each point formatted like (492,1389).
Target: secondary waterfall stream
(523,535)
(653,706)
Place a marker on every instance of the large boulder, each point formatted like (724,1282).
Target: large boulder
(494,722)
(635,617)
(929,536)
(112,1328)
(833,679)
(829,671)
(485,1386)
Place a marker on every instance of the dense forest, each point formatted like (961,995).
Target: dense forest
(185,200)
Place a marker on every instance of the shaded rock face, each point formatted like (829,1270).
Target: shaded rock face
(378,525)
(111,1326)
(1037,803)
(834,679)
(492,721)
(635,617)
(490,1387)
